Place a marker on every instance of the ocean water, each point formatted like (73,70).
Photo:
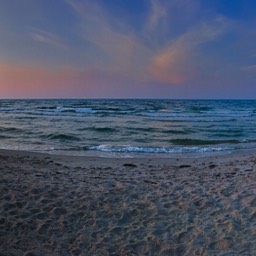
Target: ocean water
(129,127)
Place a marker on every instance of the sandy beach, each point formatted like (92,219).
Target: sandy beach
(59,205)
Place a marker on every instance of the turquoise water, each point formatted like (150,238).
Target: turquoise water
(130,128)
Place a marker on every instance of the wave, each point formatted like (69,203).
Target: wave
(199,142)
(188,117)
(166,150)
(194,114)
(8,109)
(87,110)
(199,109)
(105,129)
(182,132)
(142,129)
(61,137)
(145,125)
(98,129)
(75,110)
(10,129)
(229,135)
(5,137)
(47,108)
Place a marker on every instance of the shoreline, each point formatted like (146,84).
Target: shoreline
(76,205)
(183,152)
(133,155)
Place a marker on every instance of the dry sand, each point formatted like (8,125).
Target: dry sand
(58,205)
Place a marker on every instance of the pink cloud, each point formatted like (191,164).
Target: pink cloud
(168,65)
(176,63)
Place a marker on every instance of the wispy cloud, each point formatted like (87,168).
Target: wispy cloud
(157,13)
(250,68)
(115,43)
(46,37)
(122,51)
(168,18)
(174,64)
(107,47)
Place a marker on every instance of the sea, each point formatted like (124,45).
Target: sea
(128,127)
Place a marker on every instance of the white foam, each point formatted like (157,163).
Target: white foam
(168,150)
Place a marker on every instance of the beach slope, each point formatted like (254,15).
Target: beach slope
(59,205)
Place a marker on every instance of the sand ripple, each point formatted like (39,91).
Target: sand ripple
(50,208)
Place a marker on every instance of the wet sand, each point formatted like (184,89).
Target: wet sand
(59,205)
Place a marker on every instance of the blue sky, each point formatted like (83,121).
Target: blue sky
(128,48)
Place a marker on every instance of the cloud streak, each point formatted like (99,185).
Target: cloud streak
(171,44)
(115,45)
(124,52)
(174,64)
(46,37)
(158,13)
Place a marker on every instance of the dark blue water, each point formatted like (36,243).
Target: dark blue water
(128,127)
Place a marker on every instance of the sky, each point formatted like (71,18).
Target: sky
(177,49)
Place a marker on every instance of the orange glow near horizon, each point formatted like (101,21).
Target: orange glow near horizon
(39,82)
